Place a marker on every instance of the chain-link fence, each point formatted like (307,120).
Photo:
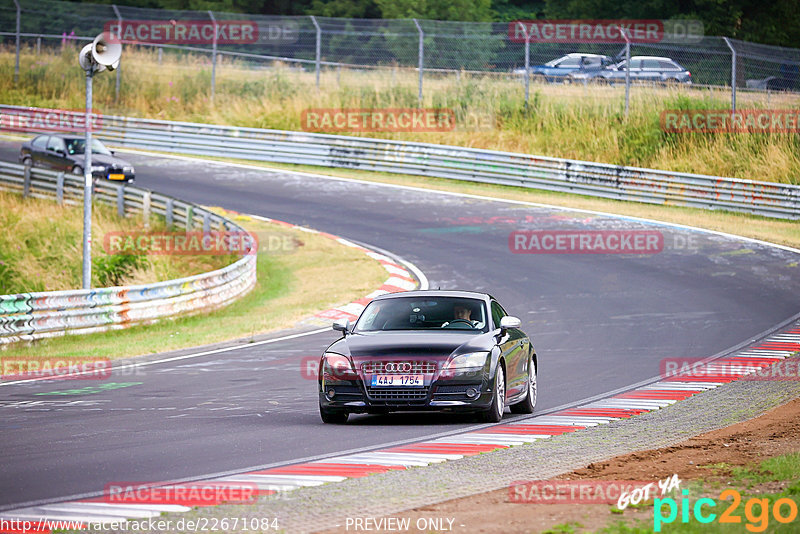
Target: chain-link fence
(429,48)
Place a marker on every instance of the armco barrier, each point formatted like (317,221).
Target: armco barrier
(35,315)
(476,165)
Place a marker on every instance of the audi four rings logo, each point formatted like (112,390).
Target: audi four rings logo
(398,367)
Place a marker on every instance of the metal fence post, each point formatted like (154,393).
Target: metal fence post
(60,188)
(26,181)
(38,46)
(146,198)
(119,21)
(169,212)
(627,71)
(189,218)
(16,61)
(213,55)
(733,73)
(527,61)
(121,201)
(421,54)
(318,55)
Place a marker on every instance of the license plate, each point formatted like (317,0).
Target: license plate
(407,381)
(116,176)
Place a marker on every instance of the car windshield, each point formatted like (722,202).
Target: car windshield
(430,313)
(77,145)
(561,61)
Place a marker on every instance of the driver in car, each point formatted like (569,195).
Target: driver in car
(462,314)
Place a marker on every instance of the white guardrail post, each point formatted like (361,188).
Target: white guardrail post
(29,316)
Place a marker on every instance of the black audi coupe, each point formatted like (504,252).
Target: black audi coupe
(429,350)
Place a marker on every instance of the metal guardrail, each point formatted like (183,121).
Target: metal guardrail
(29,316)
(476,165)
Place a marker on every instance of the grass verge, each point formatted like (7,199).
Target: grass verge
(40,249)
(318,274)
(580,122)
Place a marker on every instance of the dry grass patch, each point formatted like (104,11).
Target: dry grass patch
(316,275)
(579,122)
(41,249)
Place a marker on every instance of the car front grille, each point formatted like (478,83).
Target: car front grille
(398,394)
(405,367)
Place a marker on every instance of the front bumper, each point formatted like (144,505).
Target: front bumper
(114,175)
(448,394)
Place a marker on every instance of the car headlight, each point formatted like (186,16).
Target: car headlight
(337,367)
(128,169)
(98,168)
(470,360)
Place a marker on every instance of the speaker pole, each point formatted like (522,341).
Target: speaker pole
(87,187)
(104,53)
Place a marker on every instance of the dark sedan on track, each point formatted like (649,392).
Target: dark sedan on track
(429,350)
(66,152)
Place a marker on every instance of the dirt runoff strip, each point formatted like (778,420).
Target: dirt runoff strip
(336,507)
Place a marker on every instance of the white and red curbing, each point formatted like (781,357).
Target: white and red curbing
(399,277)
(624,405)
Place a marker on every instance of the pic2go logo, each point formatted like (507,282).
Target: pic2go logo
(756,511)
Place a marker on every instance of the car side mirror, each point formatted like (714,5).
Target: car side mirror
(509,321)
(342,325)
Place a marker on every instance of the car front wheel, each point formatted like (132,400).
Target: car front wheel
(332,418)
(495,412)
(527,405)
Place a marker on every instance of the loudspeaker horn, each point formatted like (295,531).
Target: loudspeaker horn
(106,50)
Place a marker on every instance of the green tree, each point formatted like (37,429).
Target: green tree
(463,10)
(354,9)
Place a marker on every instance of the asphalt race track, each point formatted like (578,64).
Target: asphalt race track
(598,321)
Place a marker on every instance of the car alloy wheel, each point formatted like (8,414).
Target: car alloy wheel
(527,405)
(495,412)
